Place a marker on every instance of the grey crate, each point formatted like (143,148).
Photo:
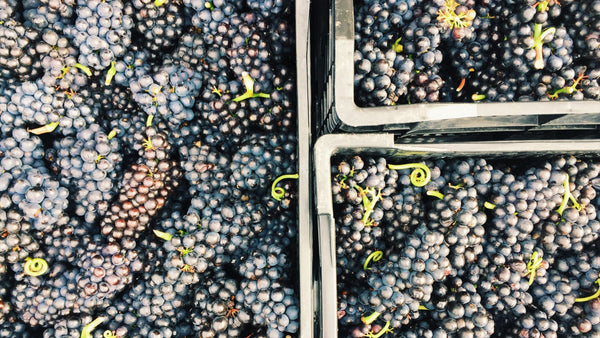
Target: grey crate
(383,145)
(335,111)
(305,230)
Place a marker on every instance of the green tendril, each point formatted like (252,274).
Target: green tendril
(112,134)
(84,69)
(375,257)
(163,235)
(381,332)
(159,3)
(149,120)
(422,307)
(489,205)
(535,262)
(435,193)
(594,296)
(397,46)
(249,85)
(50,127)
(418,177)
(368,204)
(86,332)
(478,97)
(455,187)
(109,334)
(370,318)
(277,192)
(35,266)
(110,73)
(566,197)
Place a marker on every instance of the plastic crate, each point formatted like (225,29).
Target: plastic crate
(335,109)
(384,145)
(305,230)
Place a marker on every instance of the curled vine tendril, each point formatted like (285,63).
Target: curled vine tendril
(35,266)
(375,257)
(277,192)
(419,177)
(594,296)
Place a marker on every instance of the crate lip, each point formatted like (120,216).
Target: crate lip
(305,229)
(353,116)
(329,145)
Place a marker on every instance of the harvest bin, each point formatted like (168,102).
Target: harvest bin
(335,109)
(384,145)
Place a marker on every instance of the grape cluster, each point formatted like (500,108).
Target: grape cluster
(409,51)
(148,184)
(469,246)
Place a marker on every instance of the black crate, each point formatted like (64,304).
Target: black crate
(386,145)
(334,108)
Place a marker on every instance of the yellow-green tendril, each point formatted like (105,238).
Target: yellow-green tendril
(381,332)
(159,3)
(375,257)
(534,263)
(368,204)
(277,192)
(109,334)
(35,266)
(249,85)
(477,97)
(435,193)
(566,197)
(397,46)
(594,296)
(489,205)
(112,134)
(163,235)
(455,187)
(149,120)
(86,332)
(84,69)
(44,129)
(110,73)
(370,318)
(421,307)
(418,177)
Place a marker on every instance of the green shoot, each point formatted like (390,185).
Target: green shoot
(538,43)
(370,318)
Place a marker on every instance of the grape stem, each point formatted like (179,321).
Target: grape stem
(448,16)
(249,84)
(83,68)
(594,296)
(110,73)
(538,43)
(568,90)
(566,197)
(375,257)
(368,204)
(86,332)
(44,129)
(535,262)
(418,177)
(370,318)
(435,193)
(381,332)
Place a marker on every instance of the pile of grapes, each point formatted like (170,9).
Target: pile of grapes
(410,51)
(467,247)
(148,156)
